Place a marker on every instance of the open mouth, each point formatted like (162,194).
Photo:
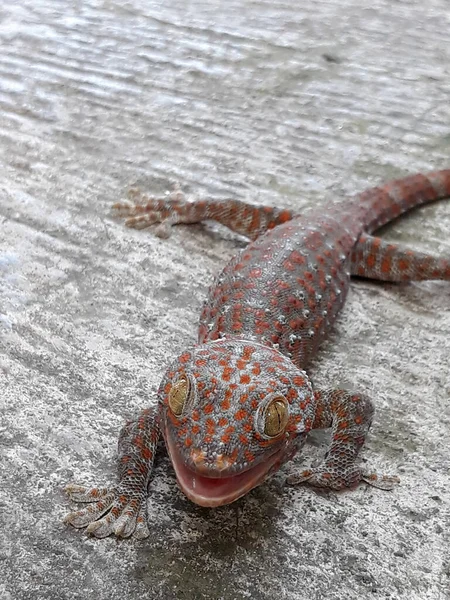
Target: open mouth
(217,491)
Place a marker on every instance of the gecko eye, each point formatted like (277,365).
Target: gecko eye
(276,416)
(178,395)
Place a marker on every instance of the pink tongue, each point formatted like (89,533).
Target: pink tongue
(208,486)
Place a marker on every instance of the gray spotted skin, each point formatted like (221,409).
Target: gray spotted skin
(265,316)
(286,288)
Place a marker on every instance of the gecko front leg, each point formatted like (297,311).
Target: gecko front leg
(349,416)
(122,509)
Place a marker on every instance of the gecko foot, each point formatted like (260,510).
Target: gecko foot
(142,211)
(111,510)
(337,480)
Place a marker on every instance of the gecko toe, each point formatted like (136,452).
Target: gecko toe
(382,482)
(84,517)
(103,527)
(79,493)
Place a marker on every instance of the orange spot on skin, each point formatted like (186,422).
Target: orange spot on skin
(184,358)
(254,223)
(208,409)
(226,374)
(167,388)
(282,285)
(294,302)
(146,453)
(296,323)
(225,404)
(222,422)
(241,364)
(358,419)
(247,353)
(243,439)
(288,265)
(195,429)
(386,265)
(233,456)
(298,380)
(255,273)
(240,415)
(371,260)
(210,426)
(245,378)
(256,370)
(403,265)
(284,216)
(249,457)
(291,395)
(243,398)
(188,442)
(297,258)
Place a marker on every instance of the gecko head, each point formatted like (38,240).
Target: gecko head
(232,412)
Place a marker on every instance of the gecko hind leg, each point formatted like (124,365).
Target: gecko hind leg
(375,258)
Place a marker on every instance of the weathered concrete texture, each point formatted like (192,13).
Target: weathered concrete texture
(279,102)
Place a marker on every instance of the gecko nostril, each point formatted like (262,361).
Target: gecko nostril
(223,462)
(198,457)
(210,464)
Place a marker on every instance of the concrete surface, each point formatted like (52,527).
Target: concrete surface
(275,102)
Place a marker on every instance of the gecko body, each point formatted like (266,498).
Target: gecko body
(239,404)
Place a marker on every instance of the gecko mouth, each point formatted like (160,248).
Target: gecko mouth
(217,491)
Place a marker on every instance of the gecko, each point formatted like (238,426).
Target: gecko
(239,404)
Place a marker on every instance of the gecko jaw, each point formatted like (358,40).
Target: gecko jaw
(217,491)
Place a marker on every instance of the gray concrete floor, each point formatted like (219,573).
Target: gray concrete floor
(273,102)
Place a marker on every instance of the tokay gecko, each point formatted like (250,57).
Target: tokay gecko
(239,404)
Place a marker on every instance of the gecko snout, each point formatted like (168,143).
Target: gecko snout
(210,465)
